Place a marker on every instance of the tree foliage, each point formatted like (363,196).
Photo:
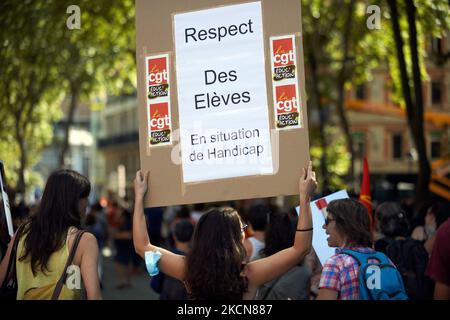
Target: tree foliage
(28,89)
(347,57)
(43,62)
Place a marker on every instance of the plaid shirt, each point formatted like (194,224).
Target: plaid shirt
(340,273)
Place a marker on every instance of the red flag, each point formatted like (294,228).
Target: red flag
(364,195)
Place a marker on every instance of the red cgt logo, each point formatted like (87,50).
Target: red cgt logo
(283,52)
(286,98)
(157,71)
(159,116)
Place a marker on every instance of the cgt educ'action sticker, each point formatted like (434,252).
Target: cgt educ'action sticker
(283,57)
(158,99)
(287,107)
(160,125)
(157,76)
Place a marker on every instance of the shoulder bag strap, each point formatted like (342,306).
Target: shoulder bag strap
(63,277)
(270,289)
(11,270)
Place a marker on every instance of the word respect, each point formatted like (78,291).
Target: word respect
(217,33)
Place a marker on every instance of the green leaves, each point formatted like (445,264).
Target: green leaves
(41,61)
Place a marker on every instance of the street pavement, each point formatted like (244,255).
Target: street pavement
(140,284)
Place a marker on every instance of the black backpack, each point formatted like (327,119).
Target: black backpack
(411,260)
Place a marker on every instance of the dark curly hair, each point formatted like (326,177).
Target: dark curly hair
(216,260)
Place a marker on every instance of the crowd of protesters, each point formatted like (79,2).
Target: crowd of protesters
(235,250)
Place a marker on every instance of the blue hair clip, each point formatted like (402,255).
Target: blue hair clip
(151,262)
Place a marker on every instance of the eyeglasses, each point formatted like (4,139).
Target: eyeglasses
(328,220)
(244,227)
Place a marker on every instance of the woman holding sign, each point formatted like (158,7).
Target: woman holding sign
(215,267)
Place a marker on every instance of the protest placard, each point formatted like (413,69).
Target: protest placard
(209,129)
(4,202)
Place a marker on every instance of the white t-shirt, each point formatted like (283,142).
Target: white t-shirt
(257,245)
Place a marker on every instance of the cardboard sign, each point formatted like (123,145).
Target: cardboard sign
(224,143)
(319,213)
(4,201)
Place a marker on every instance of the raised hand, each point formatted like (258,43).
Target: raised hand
(140,184)
(307,183)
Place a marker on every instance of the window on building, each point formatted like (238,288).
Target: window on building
(119,126)
(436,45)
(109,126)
(114,123)
(361,149)
(436,92)
(359,144)
(124,123)
(435,149)
(134,118)
(397,146)
(360,92)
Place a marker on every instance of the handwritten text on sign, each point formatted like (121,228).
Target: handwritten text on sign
(222,97)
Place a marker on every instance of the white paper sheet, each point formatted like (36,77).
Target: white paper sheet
(222,95)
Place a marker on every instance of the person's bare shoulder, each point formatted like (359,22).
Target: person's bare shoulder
(88,240)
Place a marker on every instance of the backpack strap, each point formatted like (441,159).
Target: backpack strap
(363,258)
(11,270)
(63,277)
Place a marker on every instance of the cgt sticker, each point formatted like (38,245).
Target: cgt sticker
(159,123)
(157,76)
(287,106)
(283,57)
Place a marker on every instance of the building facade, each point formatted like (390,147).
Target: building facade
(116,147)
(381,133)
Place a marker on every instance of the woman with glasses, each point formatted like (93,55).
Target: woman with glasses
(215,267)
(348,228)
